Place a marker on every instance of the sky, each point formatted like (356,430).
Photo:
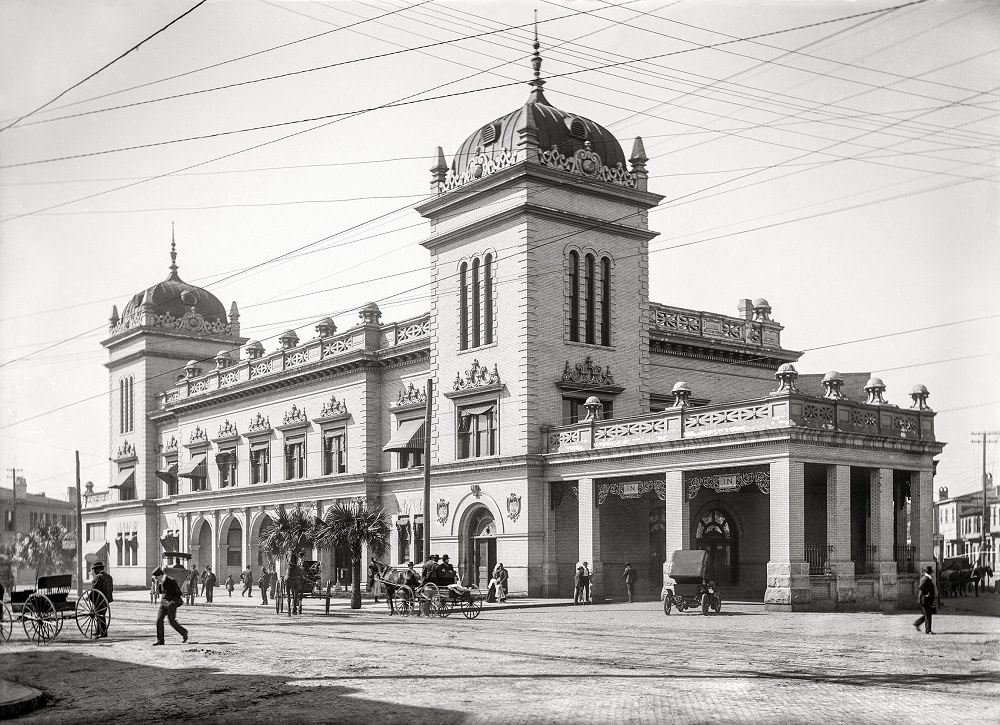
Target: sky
(839,159)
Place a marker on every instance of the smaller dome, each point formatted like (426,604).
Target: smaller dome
(191,364)
(222,353)
(919,390)
(254,345)
(874,382)
(786,368)
(761,302)
(326,322)
(833,375)
(680,386)
(593,400)
(288,333)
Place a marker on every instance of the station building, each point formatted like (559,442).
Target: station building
(573,419)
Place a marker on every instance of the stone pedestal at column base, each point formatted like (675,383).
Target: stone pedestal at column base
(846,585)
(787,586)
(887,593)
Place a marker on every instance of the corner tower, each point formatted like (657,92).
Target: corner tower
(539,276)
(164,331)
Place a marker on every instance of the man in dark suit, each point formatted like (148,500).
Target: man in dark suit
(103,583)
(926,600)
(170,599)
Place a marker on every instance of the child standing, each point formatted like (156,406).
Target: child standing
(230,585)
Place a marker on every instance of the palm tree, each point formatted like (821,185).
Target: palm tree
(353,526)
(289,535)
(46,549)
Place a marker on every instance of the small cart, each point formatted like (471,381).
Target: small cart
(43,610)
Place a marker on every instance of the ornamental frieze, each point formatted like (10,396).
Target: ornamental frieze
(125,450)
(228,430)
(190,322)
(333,407)
(729,481)
(476,377)
(632,489)
(479,166)
(295,415)
(258,424)
(588,374)
(198,435)
(586,162)
(410,395)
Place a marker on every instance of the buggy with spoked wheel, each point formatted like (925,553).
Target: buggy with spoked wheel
(430,598)
(43,610)
(685,585)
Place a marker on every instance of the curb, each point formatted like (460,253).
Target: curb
(16,700)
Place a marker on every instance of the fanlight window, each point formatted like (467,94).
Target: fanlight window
(714,524)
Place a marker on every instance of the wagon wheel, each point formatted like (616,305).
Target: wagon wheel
(6,622)
(445,605)
(704,603)
(472,605)
(717,604)
(93,614)
(430,599)
(668,602)
(40,620)
(405,600)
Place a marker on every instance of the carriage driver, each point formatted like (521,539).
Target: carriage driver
(448,577)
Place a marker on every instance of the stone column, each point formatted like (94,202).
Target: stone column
(215,543)
(787,571)
(678,514)
(838,530)
(549,565)
(590,535)
(247,559)
(922,521)
(883,524)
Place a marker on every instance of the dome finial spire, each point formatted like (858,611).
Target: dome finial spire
(173,252)
(536,63)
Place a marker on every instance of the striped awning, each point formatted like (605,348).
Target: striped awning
(168,474)
(125,477)
(409,436)
(195,468)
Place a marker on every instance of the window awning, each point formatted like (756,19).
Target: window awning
(168,474)
(194,469)
(125,477)
(478,409)
(409,436)
(225,458)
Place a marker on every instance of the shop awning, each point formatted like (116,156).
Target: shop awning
(409,436)
(125,477)
(194,469)
(477,409)
(169,474)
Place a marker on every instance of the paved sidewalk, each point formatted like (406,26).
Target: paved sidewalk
(16,700)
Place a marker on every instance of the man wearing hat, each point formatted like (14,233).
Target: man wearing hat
(445,572)
(102,582)
(630,575)
(429,570)
(171,598)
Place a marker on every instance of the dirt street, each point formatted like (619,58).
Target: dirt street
(600,663)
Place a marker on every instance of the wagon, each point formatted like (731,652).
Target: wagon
(430,598)
(43,610)
(685,586)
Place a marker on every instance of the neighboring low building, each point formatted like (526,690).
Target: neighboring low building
(572,418)
(22,512)
(959,526)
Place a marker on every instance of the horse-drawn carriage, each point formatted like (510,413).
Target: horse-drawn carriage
(302,581)
(685,585)
(43,610)
(434,597)
(954,576)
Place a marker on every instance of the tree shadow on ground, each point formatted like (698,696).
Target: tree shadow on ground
(86,687)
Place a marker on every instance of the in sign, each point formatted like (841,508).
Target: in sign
(630,489)
(728,483)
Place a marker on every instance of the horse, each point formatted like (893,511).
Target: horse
(299,580)
(391,580)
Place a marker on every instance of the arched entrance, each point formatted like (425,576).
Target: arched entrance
(204,553)
(716,534)
(233,551)
(479,548)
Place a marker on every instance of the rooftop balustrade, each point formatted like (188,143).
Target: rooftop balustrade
(755,329)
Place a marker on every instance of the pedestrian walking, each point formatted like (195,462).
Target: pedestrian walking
(926,599)
(103,583)
(578,584)
(193,583)
(262,584)
(204,577)
(153,588)
(210,581)
(629,575)
(230,584)
(247,578)
(273,583)
(374,584)
(170,598)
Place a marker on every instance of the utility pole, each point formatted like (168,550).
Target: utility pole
(81,567)
(427,467)
(13,494)
(985,528)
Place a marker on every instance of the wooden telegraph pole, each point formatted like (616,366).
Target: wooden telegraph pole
(81,566)
(985,527)
(427,468)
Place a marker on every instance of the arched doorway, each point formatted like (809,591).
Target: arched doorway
(479,549)
(716,534)
(234,551)
(204,546)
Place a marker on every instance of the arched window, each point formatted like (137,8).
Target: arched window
(463,304)
(574,297)
(488,300)
(476,304)
(606,301)
(126,404)
(589,323)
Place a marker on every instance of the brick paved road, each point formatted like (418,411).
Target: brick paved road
(602,663)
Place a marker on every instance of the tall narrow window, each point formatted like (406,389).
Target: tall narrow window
(488,300)
(476,305)
(260,463)
(463,304)
(574,297)
(589,312)
(334,454)
(605,301)
(295,458)
(227,467)
(126,405)
(477,435)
